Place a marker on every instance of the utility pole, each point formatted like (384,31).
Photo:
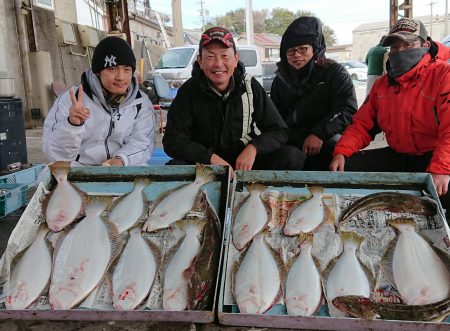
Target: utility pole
(117,17)
(249,21)
(203,13)
(446,19)
(393,13)
(177,23)
(431,4)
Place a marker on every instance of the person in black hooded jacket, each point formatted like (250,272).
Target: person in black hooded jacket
(314,95)
(222,116)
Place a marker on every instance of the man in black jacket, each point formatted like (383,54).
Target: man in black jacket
(222,116)
(314,95)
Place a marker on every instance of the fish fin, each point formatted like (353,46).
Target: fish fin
(144,181)
(399,221)
(59,168)
(256,187)
(351,236)
(326,272)
(234,270)
(329,215)
(316,190)
(115,240)
(84,200)
(163,196)
(370,276)
(317,263)
(204,173)
(102,202)
(45,203)
(386,263)
(197,222)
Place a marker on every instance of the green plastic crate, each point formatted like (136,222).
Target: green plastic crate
(12,197)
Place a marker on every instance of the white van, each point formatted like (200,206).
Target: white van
(175,65)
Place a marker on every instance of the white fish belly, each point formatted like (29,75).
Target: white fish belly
(63,206)
(175,285)
(30,275)
(128,211)
(173,208)
(133,275)
(257,280)
(303,287)
(80,263)
(305,217)
(250,220)
(347,278)
(419,274)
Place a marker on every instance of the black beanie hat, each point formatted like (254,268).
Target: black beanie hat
(110,52)
(305,30)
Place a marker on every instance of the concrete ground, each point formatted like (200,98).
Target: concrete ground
(35,155)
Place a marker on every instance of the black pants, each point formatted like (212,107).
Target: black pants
(388,160)
(284,158)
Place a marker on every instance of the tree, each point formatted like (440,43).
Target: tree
(274,22)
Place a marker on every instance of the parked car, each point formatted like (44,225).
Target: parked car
(175,65)
(268,69)
(446,41)
(357,70)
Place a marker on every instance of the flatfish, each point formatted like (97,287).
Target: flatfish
(128,209)
(252,217)
(175,285)
(31,274)
(369,309)
(345,275)
(257,282)
(175,205)
(307,216)
(134,273)
(83,257)
(66,202)
(417,271)
(303,284)
(202,280)
(393,202)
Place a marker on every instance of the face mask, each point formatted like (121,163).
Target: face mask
(404,61)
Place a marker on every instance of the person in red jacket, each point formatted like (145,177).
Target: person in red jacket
(411,105)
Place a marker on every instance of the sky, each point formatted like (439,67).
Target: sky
(341,15)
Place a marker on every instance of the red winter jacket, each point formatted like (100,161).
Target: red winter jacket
(414,115)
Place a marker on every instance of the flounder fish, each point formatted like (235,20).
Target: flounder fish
(303,284)
(128,209)
(345,275)
(134,273)
(251,218)
(361,307)
(417,271)
(83,257)
(257,282)
(31,274)
(175,205)
(307,216)
(66,202)
(391,201)
(175,285)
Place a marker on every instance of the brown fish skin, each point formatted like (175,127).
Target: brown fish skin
(361,307)
(202,280)
(391,201)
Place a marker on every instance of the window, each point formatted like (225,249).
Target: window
(175,58)
(248,57)
(47,4)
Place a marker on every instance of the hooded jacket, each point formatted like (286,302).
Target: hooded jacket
(413,111)
(127,132)
(318,98)
(201,121)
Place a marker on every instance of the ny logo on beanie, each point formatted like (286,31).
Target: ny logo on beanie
(110,61)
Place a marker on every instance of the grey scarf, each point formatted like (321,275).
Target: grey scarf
(402,62)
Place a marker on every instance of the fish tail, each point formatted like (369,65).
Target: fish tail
(401,221)
(60,168)
(256,187)
(144,181)
(204,173)
(316,190)
(97,204)
(351,237)
(196,223)
(306,237)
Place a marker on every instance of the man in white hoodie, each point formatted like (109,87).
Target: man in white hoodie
(106,119)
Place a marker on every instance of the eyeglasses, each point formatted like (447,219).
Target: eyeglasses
(397,47)
(301,50)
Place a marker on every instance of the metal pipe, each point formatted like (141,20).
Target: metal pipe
(249,21)
(24,62)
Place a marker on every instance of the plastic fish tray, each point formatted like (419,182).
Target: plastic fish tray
(116,180)
(333,182)
(159,157)
(12,197)
(25,176)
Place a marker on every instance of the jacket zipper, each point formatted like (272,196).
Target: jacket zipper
(111,126)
